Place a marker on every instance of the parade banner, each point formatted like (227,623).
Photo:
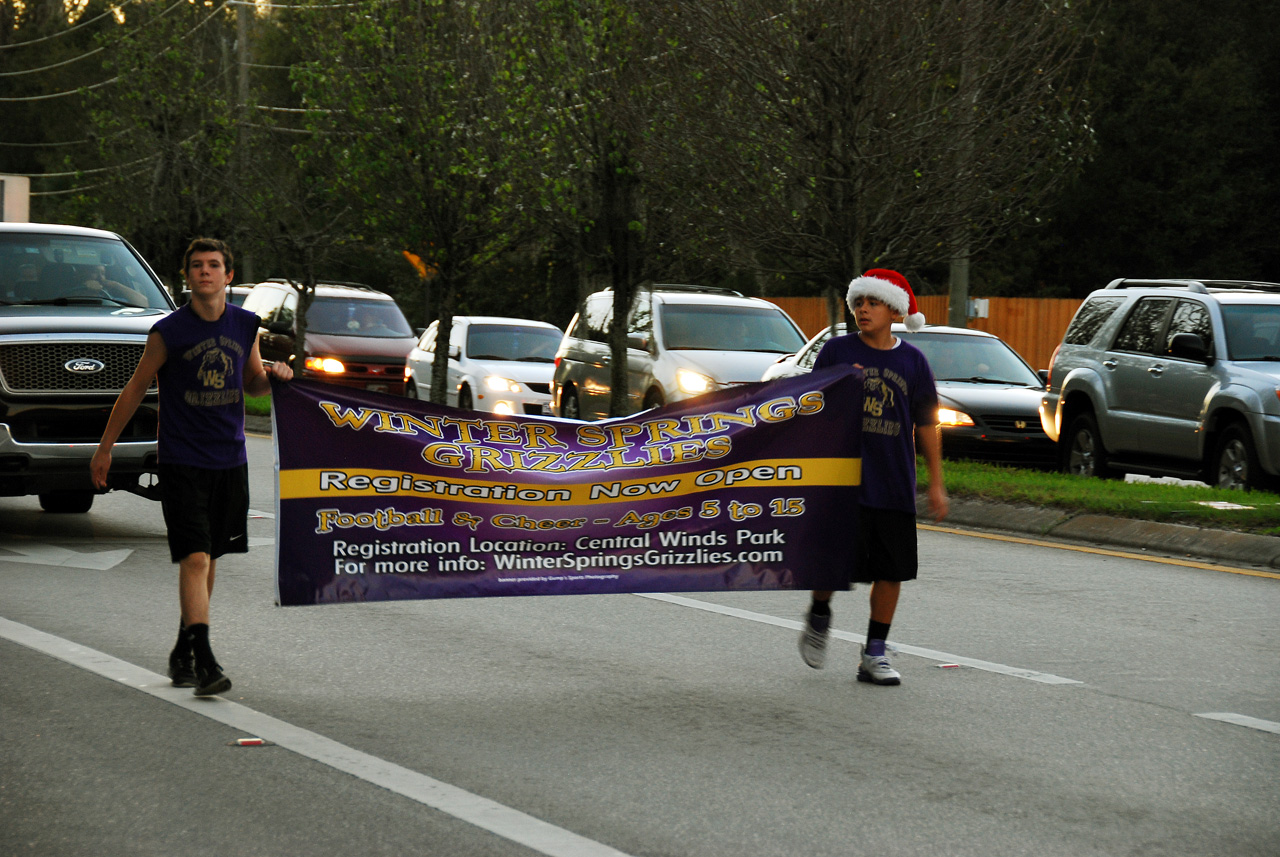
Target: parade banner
(383,498)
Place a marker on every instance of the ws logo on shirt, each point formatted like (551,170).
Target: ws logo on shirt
(215,366)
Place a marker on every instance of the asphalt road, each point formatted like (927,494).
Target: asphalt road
(1103,705)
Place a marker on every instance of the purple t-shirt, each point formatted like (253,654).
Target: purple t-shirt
(898,395)
(202,387)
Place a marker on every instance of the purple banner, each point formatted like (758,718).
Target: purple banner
(383,498)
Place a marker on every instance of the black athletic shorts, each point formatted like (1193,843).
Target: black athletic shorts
(205,511)
(886,547)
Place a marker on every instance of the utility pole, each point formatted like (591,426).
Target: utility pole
(242,103)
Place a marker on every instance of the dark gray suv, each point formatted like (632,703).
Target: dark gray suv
(75,308)
(1171,378)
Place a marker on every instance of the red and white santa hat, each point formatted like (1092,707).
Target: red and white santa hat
(891,289)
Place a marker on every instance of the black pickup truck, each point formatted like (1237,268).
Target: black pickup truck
(75,308)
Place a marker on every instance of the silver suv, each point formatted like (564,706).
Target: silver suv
(1171,378)
(682,341)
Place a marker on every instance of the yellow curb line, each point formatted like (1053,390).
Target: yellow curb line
(1123,554)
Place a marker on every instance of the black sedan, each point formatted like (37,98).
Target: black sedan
(989,398)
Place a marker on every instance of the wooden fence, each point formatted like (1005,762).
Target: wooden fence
(1032,326)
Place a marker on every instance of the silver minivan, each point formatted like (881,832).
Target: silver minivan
(683,341)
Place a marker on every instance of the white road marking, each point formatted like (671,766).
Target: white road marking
(483,813)
(764,618)
(257,513)
(1243,720)
(38,554)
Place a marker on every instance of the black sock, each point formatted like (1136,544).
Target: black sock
(200,642)
(820,608)
(877,630)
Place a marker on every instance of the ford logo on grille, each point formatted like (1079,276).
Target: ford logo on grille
(84,366)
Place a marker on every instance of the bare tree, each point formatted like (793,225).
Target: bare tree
(884,131)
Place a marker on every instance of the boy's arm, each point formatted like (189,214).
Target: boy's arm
(257,381)
(153,357)
(930,443)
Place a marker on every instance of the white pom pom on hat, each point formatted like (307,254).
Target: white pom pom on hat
(891,289)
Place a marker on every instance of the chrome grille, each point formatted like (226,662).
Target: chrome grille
(1004,422)
(40,367)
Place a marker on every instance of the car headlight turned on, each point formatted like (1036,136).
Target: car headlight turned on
(953,418)
(693,382)
(501,385)
(327,365)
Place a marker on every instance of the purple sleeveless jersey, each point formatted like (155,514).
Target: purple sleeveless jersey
(202,387)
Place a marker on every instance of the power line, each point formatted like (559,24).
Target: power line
(51,95)
(97,50)
(92,172)
(65,32)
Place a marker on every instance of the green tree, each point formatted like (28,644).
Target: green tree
(1185,181)
(591,86)
(405,102)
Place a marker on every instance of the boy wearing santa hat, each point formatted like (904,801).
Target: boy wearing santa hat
(900,412)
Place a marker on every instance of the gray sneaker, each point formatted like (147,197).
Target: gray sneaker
(876,669)
(813,639)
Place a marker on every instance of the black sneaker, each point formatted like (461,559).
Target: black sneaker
(182,668)
(210,681)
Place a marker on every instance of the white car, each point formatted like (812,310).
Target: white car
(500,365)
(682,341)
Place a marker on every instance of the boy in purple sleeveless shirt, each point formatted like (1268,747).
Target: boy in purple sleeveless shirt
(900,410)
(205,356)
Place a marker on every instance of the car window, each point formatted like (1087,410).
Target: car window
(595,318)
(1190,317)
(67,268)
(1141,330)
(266,303)
(428,341)
(960,357)
(694,327)
(341,316)
(641,318)
(1253,331)
(512,342)
(1093,313)
(806,359)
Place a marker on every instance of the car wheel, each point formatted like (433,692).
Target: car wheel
(411,389)
(654,399)
(569,409)
(1236,460)
(67,502)
(464,399)
(1082,452)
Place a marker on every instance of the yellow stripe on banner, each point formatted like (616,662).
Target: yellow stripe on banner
(780,474)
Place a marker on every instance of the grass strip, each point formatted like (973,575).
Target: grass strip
(1195,505)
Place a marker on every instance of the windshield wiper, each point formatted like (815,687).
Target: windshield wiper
(980,379)
(64,300)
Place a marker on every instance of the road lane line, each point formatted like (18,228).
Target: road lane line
(1243,720)
(930,654)
(494,817)
(1166,560)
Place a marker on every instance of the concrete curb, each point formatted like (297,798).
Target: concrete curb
(1172,540)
